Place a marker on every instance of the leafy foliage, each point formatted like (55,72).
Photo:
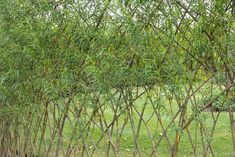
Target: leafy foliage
(63,60)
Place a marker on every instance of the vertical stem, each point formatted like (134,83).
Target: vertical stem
(232,125)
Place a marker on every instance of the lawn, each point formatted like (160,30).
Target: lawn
(199,132)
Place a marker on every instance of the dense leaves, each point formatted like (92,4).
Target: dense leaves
(56,50)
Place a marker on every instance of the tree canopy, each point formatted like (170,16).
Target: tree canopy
(54,50)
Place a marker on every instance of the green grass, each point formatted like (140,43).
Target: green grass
(221,141)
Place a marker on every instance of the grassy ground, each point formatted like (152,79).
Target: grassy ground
(221,141)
